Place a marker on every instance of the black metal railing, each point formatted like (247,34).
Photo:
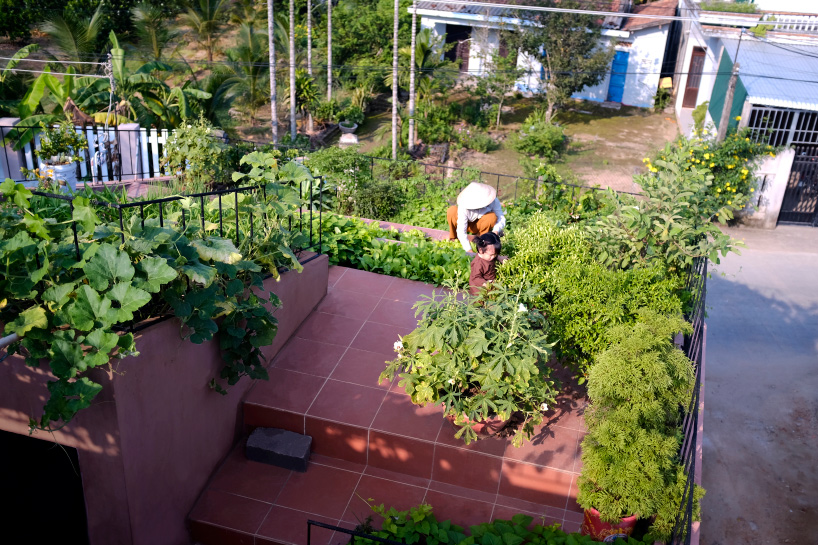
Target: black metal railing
(352,533)
(693,347)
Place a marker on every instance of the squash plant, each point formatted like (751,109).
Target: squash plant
(73,283)
(479,360)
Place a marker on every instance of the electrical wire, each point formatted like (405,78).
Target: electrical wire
(52,61)
(56,73)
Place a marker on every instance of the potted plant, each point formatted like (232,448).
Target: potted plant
(60,147)
(352,116)
(630,456)
(482,359)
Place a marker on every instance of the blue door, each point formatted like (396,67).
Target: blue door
(619,71)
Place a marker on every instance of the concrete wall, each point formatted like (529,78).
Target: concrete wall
(773,175)
(10,160)
(152,438)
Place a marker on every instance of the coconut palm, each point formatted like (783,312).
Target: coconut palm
(272,52)
(293,92)
(75,37)
(395,83)
(13,85)
(152,31)
(246,78)
(429,65)
(249,12)
(309,55)
(329,49)
(204,19)
(412,76)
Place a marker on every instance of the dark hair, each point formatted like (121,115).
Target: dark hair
(489,239)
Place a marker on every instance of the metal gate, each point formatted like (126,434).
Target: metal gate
(799,129)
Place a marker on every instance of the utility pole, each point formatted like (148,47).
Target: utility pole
(728,104)
(412,71)
(273,108)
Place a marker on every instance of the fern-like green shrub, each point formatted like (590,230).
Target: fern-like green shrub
(629,456)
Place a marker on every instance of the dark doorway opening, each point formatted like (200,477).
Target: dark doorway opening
(42,491)
(460,36)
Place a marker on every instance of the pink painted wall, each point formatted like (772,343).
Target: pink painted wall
(156,433)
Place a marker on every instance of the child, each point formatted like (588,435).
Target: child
(484,265)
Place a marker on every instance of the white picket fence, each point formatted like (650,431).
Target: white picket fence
(803,24)
(127,152)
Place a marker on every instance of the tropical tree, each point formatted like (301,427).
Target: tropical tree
(395,82)
(204,19)
(249,12)
(76,38)
(309,55)
(272,68)
(412,62)
(293,128)
(246,77)
(568,45)
(13,84)
(329,49)
(152,31)
(433,73)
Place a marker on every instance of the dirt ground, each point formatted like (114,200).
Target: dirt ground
(761,392)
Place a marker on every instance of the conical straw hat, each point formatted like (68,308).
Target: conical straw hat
(476,195)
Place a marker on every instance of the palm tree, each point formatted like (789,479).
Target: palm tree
(293,128)
(394,83)
(153,32)
(246,77)
(75,37)
(204,21)
(248,12)
(309,55)
(13,85)
(329,50)
(272,47)
(412,77)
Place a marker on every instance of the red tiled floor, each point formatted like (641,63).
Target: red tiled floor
(494,446)
(550,446)
(568,413)
(210,534)
(284,525)
(351,304)
(309,357)
(397,477)
(483,473)
(399,416)
(364,282)
(259,416)
(461,511)
(347,403)
(337,463)
(361,367)
(337,440)
(394,313)
(335,272)
(379,338)
(536,484)
(242,477)
(286,390)
(322,490)
(375,491)
(409,291)
(329,328)
(229,511)
(572,505)
(462,492)
(401,454)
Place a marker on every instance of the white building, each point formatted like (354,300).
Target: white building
(641,45)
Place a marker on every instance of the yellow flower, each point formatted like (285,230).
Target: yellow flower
(738,118)
(746,139)
(698,161)
(646,160)
(731,166)
(752,189)
(654,169)
(707,156)
(745,171)
(728,184)
(729,202)
(718,190)
(712,165)
(772,154)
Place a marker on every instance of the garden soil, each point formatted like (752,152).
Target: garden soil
(760,444)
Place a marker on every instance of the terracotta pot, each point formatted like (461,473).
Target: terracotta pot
(607,532)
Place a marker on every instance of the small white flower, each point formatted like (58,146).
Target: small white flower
(544,407)
(522,308)
(451,381)
(190,126)
(398,346)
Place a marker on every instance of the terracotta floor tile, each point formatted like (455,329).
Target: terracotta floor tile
(571,527)
(379,338)
(337,440)
(329,328)
(400,454)
(229,511)
(311,357)
(574,516)
(461,511)
(568,412)
(335,272)
(209,534)
(259,416)
(494,446)
(337,463)
(399,416)
(396,476)
(351,304)
(528,506)
(364,282)
(483,471)
(377,491)
(409,291)
(462,492)
(322,490)
(255,480)
(289,526)
(506,513)
(572,505)
(347,403)
(551,446)
(361,367)
(286,390)
(536,484)
(394,313)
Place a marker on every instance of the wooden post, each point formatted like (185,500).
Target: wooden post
(728,104)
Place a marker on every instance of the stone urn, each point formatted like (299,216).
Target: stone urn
(347,127)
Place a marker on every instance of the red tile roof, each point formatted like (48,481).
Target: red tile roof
(661,7)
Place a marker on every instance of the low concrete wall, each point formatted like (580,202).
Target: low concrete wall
(773,175)
(155,434)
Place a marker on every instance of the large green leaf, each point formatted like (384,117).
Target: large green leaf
(199,272)
(28,320)
(108,266)
(153,273)
(84,214)
(130,300)
(217,249)
(90,310)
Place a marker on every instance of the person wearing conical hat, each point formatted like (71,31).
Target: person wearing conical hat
(478,212)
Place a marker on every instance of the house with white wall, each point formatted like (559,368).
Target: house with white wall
(641,44)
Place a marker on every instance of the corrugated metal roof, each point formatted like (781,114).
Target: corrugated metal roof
(468,8)
(782,75)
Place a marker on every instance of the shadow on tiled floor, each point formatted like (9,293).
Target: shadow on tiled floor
(371,443)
